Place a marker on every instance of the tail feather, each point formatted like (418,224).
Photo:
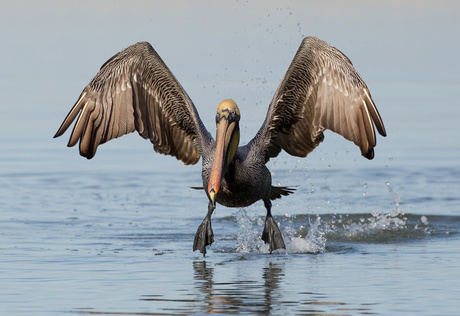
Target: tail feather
(279,192)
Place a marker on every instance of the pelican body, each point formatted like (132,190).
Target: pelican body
(135,91)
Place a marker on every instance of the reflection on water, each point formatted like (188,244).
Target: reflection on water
(232,297)
(239,296)
(266,296)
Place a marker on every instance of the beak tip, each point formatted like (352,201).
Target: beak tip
(212,194)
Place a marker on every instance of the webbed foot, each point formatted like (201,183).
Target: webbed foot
(272,235)
(204,236)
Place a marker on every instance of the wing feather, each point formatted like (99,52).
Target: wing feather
(135,90)
(321,90)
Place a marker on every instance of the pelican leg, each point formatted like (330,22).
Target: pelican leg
(204,235)
(272,235)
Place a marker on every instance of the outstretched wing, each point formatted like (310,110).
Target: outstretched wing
(135,90)
(321,90)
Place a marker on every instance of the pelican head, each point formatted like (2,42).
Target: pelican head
(227,140)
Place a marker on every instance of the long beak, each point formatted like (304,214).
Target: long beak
(223,138)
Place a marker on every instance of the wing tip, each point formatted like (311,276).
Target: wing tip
(64,126)
(375,113)
(370,154)
(87,155)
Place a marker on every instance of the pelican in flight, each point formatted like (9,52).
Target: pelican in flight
(135,91)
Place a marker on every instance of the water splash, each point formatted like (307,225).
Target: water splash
(375,226)
(249,238)
(372,227)
(313,242)
(310,233)
(395,198)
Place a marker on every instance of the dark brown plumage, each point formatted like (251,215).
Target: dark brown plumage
(135,91)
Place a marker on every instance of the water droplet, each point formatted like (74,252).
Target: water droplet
(424,220)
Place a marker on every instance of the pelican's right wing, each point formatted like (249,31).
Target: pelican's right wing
(321,90)
(135,90)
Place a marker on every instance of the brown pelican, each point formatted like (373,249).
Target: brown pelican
(135,91)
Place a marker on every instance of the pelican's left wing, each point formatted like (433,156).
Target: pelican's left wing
(135,90)
(321,90)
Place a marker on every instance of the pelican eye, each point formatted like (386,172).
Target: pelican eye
(233,116)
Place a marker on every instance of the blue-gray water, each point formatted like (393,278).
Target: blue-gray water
(114,235)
